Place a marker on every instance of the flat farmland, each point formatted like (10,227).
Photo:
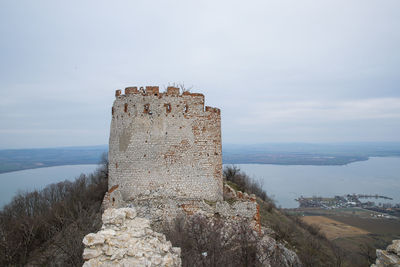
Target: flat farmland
(333,229)
(354,230)
(372,225)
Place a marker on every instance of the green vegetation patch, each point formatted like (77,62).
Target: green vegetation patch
(233,185)
(210,203)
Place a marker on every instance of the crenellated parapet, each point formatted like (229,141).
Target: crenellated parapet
(165,144)
(155,91)
(190,101)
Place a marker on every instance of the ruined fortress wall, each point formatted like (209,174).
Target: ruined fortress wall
(165,145)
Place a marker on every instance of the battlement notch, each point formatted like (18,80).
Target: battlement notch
(131,90)
(213,110)
(152,90)
(173,91)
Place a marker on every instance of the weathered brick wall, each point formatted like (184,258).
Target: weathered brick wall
(165,145)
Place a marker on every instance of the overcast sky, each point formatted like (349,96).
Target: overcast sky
(281,71)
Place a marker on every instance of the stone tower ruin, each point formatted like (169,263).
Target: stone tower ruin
(165,145)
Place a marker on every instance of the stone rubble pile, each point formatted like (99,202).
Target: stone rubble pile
(388,257)
(128,240)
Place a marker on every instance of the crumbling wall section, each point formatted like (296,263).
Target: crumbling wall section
(165,144)
(128,240)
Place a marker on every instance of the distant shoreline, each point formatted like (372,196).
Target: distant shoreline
(49,166)
(24,159)
(225,163)
(305,163)
(288,154)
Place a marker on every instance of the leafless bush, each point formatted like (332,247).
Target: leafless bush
(283,231)
(312,246)
(368,253)
(339,255)
(213,242)
(35,219)
(245,183)
(181,86)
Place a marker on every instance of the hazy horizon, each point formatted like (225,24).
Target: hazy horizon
(333,144)
(280,71)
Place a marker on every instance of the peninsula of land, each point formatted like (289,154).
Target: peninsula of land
(273,153)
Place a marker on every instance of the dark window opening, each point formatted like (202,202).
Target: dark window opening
(167,107)
(146,108)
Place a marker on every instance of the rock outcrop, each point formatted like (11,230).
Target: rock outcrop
(273,253)
(388,257)
(238,209)
(128,240)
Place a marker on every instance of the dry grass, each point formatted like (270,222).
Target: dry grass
(333,229)
(377,226)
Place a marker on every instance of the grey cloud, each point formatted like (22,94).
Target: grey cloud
(257,60)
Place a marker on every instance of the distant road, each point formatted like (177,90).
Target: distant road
(281,154)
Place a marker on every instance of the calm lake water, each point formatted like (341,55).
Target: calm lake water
(287,182)
(283,182)
(12,182)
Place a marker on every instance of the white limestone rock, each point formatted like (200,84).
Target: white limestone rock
(388,257)
(394,247)
(90,253)
(118,216)
(127,240)
(385,258)
(93,239)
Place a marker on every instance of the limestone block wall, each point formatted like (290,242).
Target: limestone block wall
(165,145)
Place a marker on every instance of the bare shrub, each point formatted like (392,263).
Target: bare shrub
(55,217)
(368,253)
(181,87)
(245,183)
(215,242)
